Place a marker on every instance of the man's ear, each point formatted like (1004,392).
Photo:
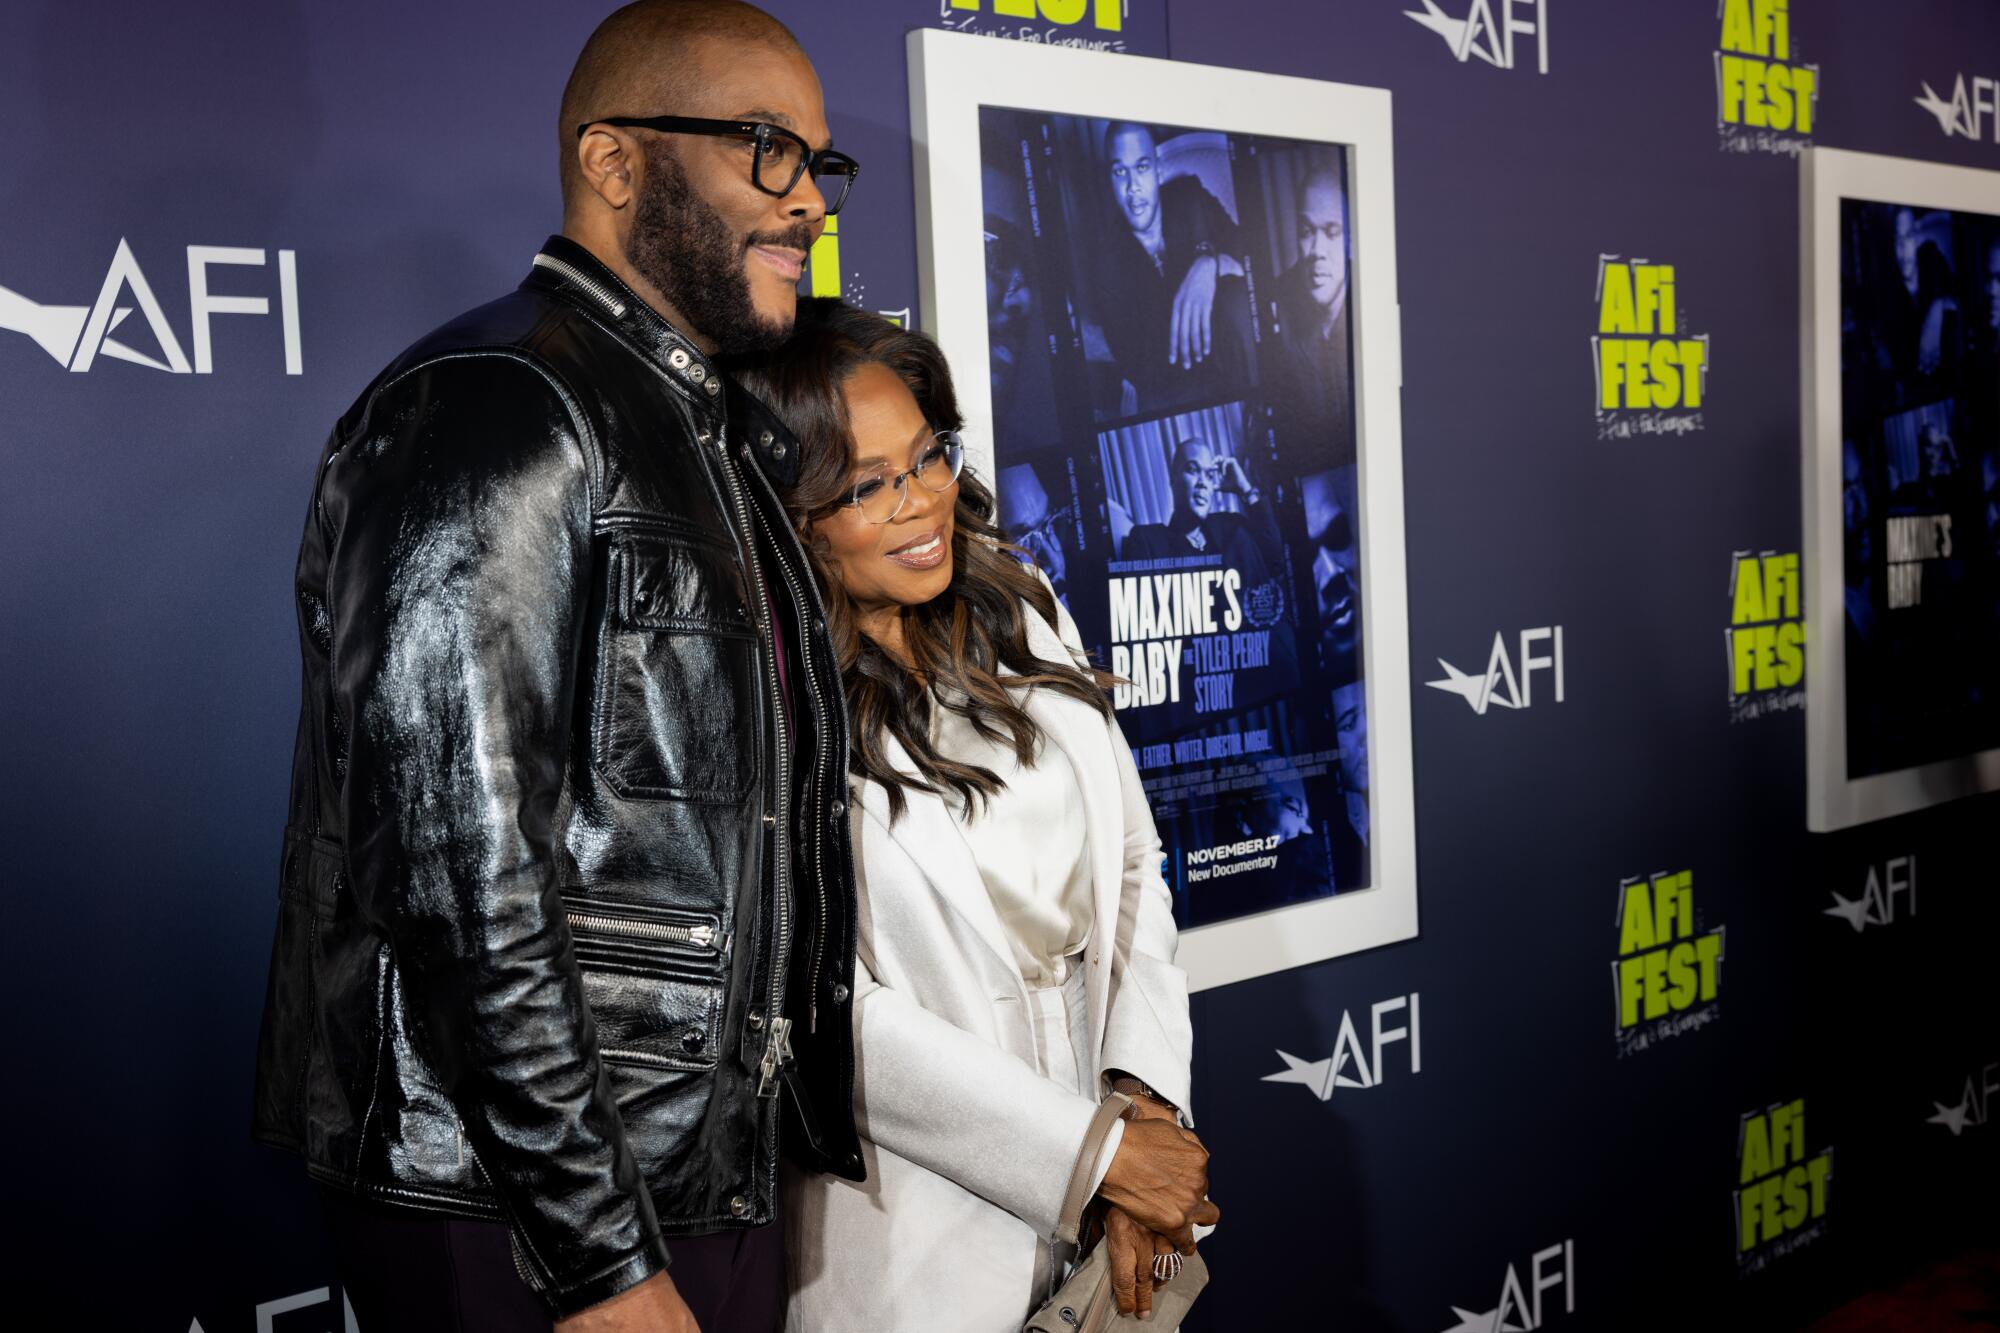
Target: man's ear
(606,160)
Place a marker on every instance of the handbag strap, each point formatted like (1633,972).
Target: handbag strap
(1070,1222)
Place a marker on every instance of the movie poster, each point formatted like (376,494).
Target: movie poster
(1173,412)
(1920,483)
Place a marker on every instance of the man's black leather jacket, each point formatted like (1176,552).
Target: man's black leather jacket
(566,873)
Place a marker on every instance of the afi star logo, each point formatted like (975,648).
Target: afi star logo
(1489,28)
(1351,1065)
(1971,102)
(1484,691)
(1520,1309)
(269,1311)
(1876,905)
(1973,1100)
(77,335)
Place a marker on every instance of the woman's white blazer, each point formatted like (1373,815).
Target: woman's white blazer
(968,1148)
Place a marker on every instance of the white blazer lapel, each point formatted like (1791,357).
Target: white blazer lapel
(931,837)
(1080,732)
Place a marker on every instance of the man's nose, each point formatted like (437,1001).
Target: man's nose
(806,202)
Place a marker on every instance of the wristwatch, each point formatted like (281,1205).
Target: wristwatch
(1135,1084)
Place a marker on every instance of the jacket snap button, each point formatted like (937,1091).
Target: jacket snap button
(714,387)
(739,1205)
(678,358)
(778,451)
(839,808)
(839,993)
(697,374)
(693,1040)
(756,1020)
(764,438)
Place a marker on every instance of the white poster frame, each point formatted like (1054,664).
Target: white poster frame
(1826,177)
(952,75)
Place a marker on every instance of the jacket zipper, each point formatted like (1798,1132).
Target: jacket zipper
(589,284)
(819,740)
(702,936)
(778,1047)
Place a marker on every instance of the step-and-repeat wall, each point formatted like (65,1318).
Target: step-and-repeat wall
(1657,1052)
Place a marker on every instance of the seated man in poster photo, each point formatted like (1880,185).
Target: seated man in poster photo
(1919,316)
(1170,292)
(1246,542)
(1311,380)
(1199,474)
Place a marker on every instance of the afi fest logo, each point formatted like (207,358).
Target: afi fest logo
(1973,103)
(1651,375)
(1520,1307)
(1875,905)
(1781,1193)
(1764,98)
(77,335)
(1668,972)
(1489,29)
(1974,1100)
(1076,23)
(1766,638)
(1500,685)
(1353,1065)
(824,275)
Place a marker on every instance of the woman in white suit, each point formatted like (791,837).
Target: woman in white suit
(1016,940)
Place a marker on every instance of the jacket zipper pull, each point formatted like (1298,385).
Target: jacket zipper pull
(777,1054)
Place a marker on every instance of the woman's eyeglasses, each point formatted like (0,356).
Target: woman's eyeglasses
(938,464)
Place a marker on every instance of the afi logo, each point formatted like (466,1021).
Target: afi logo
(1485,691)
(1971,102)
(1876,905)
(1489,28)
(1973,1102)
(270,1310)
(1352,1065)
(77,335)
(1520,1308)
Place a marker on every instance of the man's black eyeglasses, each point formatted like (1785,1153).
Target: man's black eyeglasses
(778,158)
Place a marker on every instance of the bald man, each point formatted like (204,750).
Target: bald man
(566,911)
(1312,376)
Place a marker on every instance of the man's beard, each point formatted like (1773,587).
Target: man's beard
(681,245)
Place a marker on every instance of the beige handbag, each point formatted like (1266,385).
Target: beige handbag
(1086,1303)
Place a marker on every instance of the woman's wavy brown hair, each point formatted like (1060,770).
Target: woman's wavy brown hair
(958,641)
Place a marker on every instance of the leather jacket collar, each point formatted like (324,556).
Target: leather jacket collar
(563,265)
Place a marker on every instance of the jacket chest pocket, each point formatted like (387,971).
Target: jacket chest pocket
(677,716)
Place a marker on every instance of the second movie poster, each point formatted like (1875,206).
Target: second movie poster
(1172,378)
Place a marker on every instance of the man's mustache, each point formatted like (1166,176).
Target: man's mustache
(798,237)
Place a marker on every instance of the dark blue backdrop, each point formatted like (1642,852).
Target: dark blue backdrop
(406,154)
